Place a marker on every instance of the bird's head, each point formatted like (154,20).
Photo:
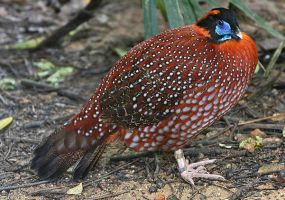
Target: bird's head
(221,25)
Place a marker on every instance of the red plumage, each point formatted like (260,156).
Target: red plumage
(163,92)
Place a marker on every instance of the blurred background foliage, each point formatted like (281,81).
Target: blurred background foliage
(181,12)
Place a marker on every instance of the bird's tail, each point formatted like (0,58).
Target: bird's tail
(62,149)
(82,139)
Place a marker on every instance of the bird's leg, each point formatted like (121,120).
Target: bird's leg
(157,167)
(153,177)
(194,170)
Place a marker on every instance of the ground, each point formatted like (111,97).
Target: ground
(37,111)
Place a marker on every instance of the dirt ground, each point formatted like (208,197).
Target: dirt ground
(37,111)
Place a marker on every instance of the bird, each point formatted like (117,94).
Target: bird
(158,97)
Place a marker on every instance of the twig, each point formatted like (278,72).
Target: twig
(105,196)
(9,151)
(82,16)
(12,187)
(42,192)
(250,111)
(261,119)
(60,91)
(18,139)
(9,66)
(131,156)
(278,127)
(37,124)
(90,182)
(243,191)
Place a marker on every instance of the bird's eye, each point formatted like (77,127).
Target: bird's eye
(221,23)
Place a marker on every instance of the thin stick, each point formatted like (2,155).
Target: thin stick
(60,91)
(25,140)
(90,182)
(261,119)
(263,126)
(12,187)
(82,16)
(105,196)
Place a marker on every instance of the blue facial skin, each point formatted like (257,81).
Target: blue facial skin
(224,30)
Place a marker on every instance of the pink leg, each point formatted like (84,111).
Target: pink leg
(194,170)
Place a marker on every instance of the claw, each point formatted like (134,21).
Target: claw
(194,170)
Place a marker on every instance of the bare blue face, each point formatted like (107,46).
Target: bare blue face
(224,31)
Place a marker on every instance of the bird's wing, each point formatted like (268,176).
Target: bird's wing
(152,78)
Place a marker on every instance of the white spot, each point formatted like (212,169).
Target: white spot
(136,138)
(194,117)
(133,145)
(208,106)
(183,117)
(186,109)
(128,135)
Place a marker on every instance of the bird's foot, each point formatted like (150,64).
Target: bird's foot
(194,170)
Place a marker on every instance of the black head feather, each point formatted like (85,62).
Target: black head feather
(216,15)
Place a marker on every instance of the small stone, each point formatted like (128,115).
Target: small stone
(172,197)
(152,189)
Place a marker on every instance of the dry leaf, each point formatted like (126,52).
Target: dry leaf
(159,196)
(76,190)
(278,117)
(257,132)
(270,168)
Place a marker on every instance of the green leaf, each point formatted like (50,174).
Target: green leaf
(45,65)
(174,13)
(274,59)
(257,68)
(7,84)
(120,52)
(4,123)
(161,6)
(188,14)
(26,44)
(57,77)
(214,3)
(197,8)
(150,19)
(252,15)
(250,144)
(54,73)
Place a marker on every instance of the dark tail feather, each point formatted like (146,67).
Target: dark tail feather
(61,150)
(88,161)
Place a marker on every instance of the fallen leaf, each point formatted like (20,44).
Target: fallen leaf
(278,117)
(5,122)
(26,44)
(7,84)
(257,132)
(270,168)
(57,77)
(53,74)
(159,197)
(76,190)
(250,144)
